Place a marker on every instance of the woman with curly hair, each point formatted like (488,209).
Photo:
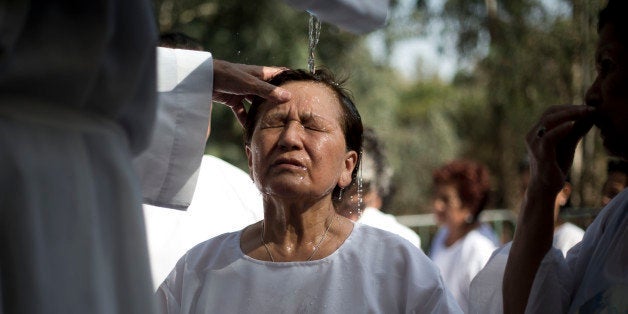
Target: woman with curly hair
(460,192)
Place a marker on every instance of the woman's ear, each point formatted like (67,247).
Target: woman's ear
(351,160)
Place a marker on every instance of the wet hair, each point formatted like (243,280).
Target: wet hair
(178,40)
(350,120)
(615,13)
(471,180)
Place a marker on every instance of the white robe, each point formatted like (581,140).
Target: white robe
(77,100)
(225,200)
(373,271)
(461,261)
(73,235)
(378,219)
(593,278)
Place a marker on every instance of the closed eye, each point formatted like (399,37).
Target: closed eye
(272,121)
(316,123)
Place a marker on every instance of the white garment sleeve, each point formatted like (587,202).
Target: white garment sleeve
(356,16)
(168,169)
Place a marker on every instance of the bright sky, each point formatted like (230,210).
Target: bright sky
(418,56)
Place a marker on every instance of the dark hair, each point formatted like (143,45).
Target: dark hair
(178,40)
(350,122)
(615,13)
(471,180)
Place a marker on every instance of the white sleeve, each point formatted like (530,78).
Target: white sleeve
(168,169)
(356,16)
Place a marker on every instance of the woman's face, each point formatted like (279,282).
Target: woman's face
(609,91)
(447,206)
(298,148)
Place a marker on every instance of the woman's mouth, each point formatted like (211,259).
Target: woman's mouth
(289,163)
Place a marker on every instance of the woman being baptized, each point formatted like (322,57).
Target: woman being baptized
(303,257)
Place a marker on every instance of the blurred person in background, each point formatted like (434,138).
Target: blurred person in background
(366,206)
(460,193)
(616,180)
(566,234)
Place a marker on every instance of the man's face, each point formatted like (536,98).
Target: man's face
(609,92)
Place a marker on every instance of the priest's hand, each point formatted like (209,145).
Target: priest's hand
(234,82)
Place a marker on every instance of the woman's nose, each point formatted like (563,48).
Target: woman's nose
(290,137)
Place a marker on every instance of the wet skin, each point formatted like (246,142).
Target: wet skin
(298,148)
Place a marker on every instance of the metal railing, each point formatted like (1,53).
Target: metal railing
(503,222)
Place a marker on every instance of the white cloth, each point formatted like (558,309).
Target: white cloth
(77,100)
(592,279)
(438,242)
(71,119)
(378,219)
(372,272)
(357,16)
(168,170)
(566,236)
(225,200)
(460,262)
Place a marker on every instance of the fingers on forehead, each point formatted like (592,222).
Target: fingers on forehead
(269,72)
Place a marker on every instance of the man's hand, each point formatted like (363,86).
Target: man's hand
(551,145)
(552,142)
(235,82)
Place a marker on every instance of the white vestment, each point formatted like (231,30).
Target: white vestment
(378,219)
(373,271)
(593,278)
(77,101)
(461,261)
(72,231)
(225,200)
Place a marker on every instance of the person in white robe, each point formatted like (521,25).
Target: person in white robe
(375,176)
(303,257)
(594,277)
(171,233)
(460,193)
